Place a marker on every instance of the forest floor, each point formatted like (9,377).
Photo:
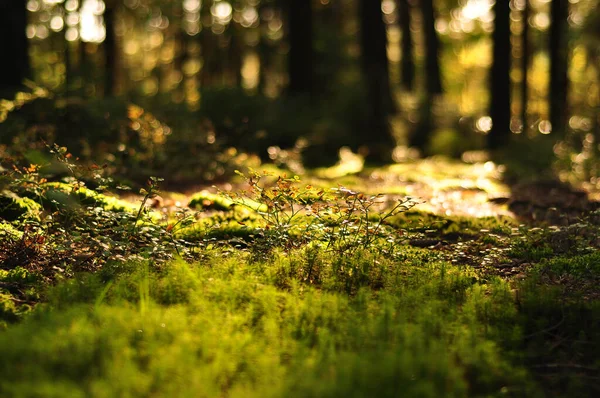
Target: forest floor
(332,284)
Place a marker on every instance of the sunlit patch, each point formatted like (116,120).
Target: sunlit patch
(71,5)
(388,6)
(484,124)
(250,71)
(41,32)
(222,12)
(249,16)
(30,31)
(72,19)
(349,163)
(476,9)
(541,21)
(72,34)
(57,23)
(192,5)
(545,127)
(92,27)
(33,5)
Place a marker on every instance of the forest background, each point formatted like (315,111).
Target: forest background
(307,77)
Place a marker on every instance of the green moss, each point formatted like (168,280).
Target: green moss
(7,230)
(18,275)
(8,309)
(531,251)
(135,335)
(13,207)
(66,195)
(464,226)
(233,224)
(585,266)
(207,200)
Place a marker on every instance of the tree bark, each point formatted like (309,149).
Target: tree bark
(110,52)
(559,53)
(525,66)
(407,65)
(300,59)
(433,82)
(499,77)
(376,78)
(14,47)
(235,55)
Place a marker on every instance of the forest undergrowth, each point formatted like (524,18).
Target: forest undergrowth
(279,285)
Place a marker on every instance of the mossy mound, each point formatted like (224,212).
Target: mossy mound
(223,226)
(8,310)
(207,200)
(14,207)
(60,195)
(7,230)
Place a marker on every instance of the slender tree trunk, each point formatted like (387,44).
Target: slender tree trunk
(206,39)
(182,38)
(433,82)
(525,66)
(559,53)
(236,56)
(110,52)
(376,77)
(407,65)
(300,60)
(499,77)
(14,47)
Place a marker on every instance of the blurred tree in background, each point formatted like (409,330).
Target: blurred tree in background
(407,68)
(14,45)
(300,60)
(559,50)
(500,100)
(283,79)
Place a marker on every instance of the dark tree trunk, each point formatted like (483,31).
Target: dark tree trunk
(235,56)
(433,82)
(499,77)
(407,65)
(182,38)
(110,52)
(14,48)
(419,138)
(376,77)
(525,66)
(559,52)
(300,60)
(208,53)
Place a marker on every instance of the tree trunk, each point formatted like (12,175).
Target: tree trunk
(14,47)
(499,77)
(300,60)
(235,55)
(207,41)
(433,82)
(525,66)
(376,77)
(559,52)
(110,52)
(407,65)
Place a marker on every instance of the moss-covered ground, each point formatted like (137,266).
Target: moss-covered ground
(278,286)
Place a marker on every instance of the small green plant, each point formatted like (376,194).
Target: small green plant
(149,194)
(341,219)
